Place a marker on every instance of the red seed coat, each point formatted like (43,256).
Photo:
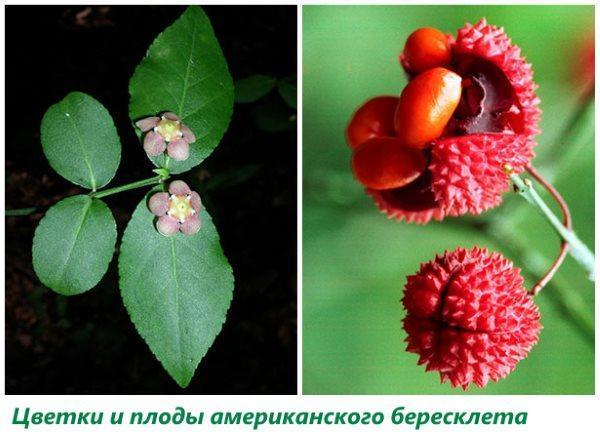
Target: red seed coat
(425,107)
(383,163)
(425,49)
(375,118)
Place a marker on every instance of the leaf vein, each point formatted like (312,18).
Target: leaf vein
(162,80)
(86,208)
(81,146)
(177,293)
(187,71)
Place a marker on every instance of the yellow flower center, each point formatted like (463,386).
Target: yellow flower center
(169,129)
(180,207)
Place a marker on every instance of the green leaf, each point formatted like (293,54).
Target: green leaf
(177,290)
(73,244)
(253,88)
(80,141)
(185,72)
(288,91)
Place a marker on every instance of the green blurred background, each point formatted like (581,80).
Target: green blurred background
(355,261)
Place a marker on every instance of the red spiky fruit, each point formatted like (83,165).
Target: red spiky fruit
(468,172)
(469,317)
(489,43)
(493,125)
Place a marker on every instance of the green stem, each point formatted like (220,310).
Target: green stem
(136,184)
(20,212)
(577,248)
(105,193)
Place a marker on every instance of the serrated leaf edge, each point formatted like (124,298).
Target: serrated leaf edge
(160,159)
(93,187)
(35,239)
(182,384)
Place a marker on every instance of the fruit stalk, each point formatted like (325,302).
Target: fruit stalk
(579,251)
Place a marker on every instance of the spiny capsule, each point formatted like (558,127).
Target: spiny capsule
(426,105)
(469,317)
(384,163)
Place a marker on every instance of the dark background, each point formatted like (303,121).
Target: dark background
(87,344)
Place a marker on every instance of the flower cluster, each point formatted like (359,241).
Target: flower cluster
(177,210)
(469,317)
(166,132)
(440,149)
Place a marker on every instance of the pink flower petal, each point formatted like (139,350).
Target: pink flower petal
(147,123)
(167,226)
(154,144)
(187,134)
(159,203)
(171,116)
(195,201)
(191,225)
(178,187)
(178,150)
